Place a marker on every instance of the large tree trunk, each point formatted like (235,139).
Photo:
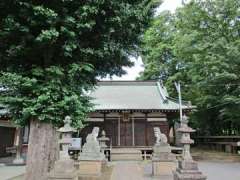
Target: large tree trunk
(42,150)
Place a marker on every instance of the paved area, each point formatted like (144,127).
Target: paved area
(133,170)
(127,170)
(124,170)
(220,170)
(8,172)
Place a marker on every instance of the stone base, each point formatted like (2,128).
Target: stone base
(188,170)
(64,176)
(188,175)
(161,148)
(188,165)
(128,154)
(63,170)
(90,168)
(164,156)
(163,168)
(18,161)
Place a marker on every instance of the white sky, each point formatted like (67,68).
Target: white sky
(133,72)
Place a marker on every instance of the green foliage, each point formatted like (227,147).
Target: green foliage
(51,51)
(48,95)
(199,45)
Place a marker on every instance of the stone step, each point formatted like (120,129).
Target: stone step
(128,154)
(125,150)
(126,157)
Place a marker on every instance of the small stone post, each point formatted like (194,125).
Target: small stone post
(64,168)
(187,167)
(18,160)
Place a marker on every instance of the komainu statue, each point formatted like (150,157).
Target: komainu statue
(160,137)
(91,149)
(93,136)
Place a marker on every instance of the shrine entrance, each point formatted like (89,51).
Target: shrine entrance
(126,133)
(128,130)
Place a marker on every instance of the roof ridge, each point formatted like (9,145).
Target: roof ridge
(129,83)
(162,94)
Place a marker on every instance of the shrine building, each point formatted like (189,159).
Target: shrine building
(128,110)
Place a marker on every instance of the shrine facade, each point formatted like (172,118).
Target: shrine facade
(128,110)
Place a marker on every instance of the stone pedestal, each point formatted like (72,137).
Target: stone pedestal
(163,161)
(163,168)
(63,177)
(90,168)
(63,170)
(91,158)
(188,170)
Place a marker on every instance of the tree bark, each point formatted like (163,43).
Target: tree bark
(42,150)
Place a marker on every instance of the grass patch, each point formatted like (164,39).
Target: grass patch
(213,155)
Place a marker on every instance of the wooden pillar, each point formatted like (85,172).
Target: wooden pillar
(119,129)
(146,130)
(104,121)
(26,134)
(133,132)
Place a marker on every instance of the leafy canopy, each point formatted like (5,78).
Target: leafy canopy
(52,51)
(199,45)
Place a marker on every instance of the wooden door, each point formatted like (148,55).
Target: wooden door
(111,129)
(140,132)
(6,140)
(126,133)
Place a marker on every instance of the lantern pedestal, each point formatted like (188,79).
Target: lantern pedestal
(188,170)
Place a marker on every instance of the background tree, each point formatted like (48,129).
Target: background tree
(202,43)
(51,51)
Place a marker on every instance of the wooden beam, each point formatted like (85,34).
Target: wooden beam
(4,123)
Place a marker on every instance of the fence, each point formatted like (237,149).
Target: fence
(228,144)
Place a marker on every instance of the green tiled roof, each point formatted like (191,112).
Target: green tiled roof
(130,95)
(133,95)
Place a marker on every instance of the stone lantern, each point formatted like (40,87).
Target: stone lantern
(64,167)
(186,140)
(103,144)
(103,140)
(187,167)
(66,138)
